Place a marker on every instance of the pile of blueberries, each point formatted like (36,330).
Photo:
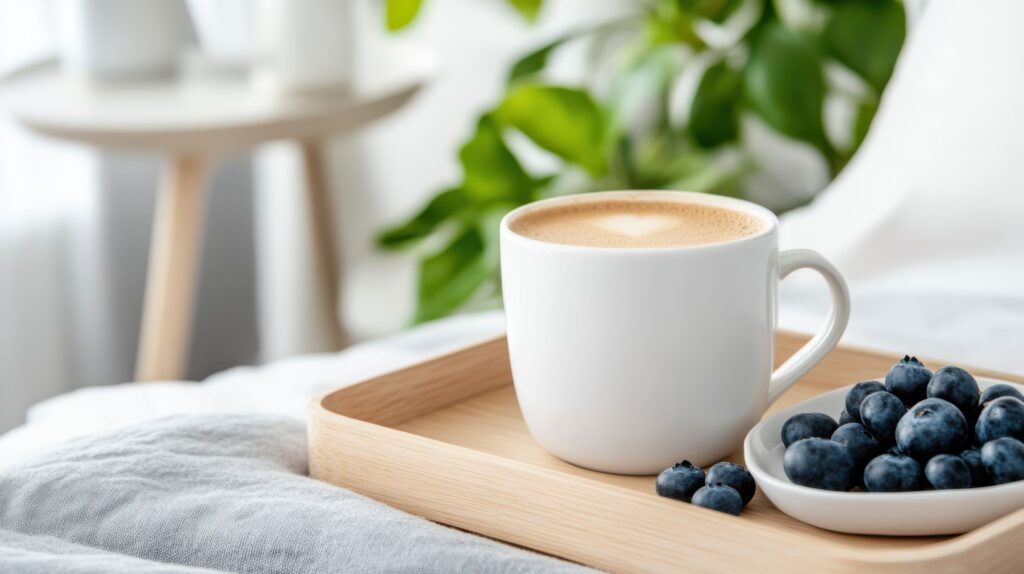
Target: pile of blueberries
(727,487)
(918,431)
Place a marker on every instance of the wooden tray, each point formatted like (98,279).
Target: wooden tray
(444,439)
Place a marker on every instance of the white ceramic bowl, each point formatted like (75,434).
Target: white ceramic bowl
(882,513)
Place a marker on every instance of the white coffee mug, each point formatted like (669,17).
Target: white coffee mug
(627,360)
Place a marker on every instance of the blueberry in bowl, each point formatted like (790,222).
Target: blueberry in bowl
(846,417)
(1000,390)
(932,426)
(808,425)
(892,473)
(1002,416)
(956,386)
(979,476)
(1003,458)
(820,463)
(897,496)
(859,441)
(881,412)
(857,394)
(908,380)
(946,471)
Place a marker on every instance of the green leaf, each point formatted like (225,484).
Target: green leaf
(400,13)
(492,172)
(451,276)
(784,83)
(861,123)
(535,61)
(715,10)
(867,37)
(714,113)
(528,8)
(565,121)
(441,207)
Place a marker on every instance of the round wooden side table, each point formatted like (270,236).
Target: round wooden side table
(192,124)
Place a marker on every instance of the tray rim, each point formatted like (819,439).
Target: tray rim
(1003,531)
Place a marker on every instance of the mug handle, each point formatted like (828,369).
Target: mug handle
(826,339)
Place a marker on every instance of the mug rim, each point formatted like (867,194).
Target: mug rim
(765,215)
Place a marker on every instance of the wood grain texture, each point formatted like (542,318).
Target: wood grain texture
(324,240)
(173,265)
(445,440)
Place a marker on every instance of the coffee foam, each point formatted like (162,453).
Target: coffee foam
(635,223)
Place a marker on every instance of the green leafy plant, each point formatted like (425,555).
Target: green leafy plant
(770,61)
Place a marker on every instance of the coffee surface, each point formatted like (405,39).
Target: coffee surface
(635,223)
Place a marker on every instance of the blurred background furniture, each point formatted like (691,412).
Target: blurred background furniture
(192,124)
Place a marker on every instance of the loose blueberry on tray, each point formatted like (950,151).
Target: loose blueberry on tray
(921,430)
(720,497)
(727,487)
(680,481)
(733,475)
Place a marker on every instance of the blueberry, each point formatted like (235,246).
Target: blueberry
(931,427)
(946,471)
(1003,459)
(807,425)
(680,481)
(820,463)
(880,412)
(1000,390)
(1001,417)
(979,476)
(892,473)
(720,497)
(957,386)
(908,380)
(857,393)
(846,417)
(735,476)
(863,445)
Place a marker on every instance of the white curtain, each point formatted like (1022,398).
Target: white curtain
(45,218)
(74,234)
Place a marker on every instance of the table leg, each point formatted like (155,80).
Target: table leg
(325,245)
(173,265)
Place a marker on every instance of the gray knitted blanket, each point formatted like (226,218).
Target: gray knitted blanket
(203,493)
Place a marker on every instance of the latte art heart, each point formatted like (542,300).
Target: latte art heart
(639,221)
(633,225)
